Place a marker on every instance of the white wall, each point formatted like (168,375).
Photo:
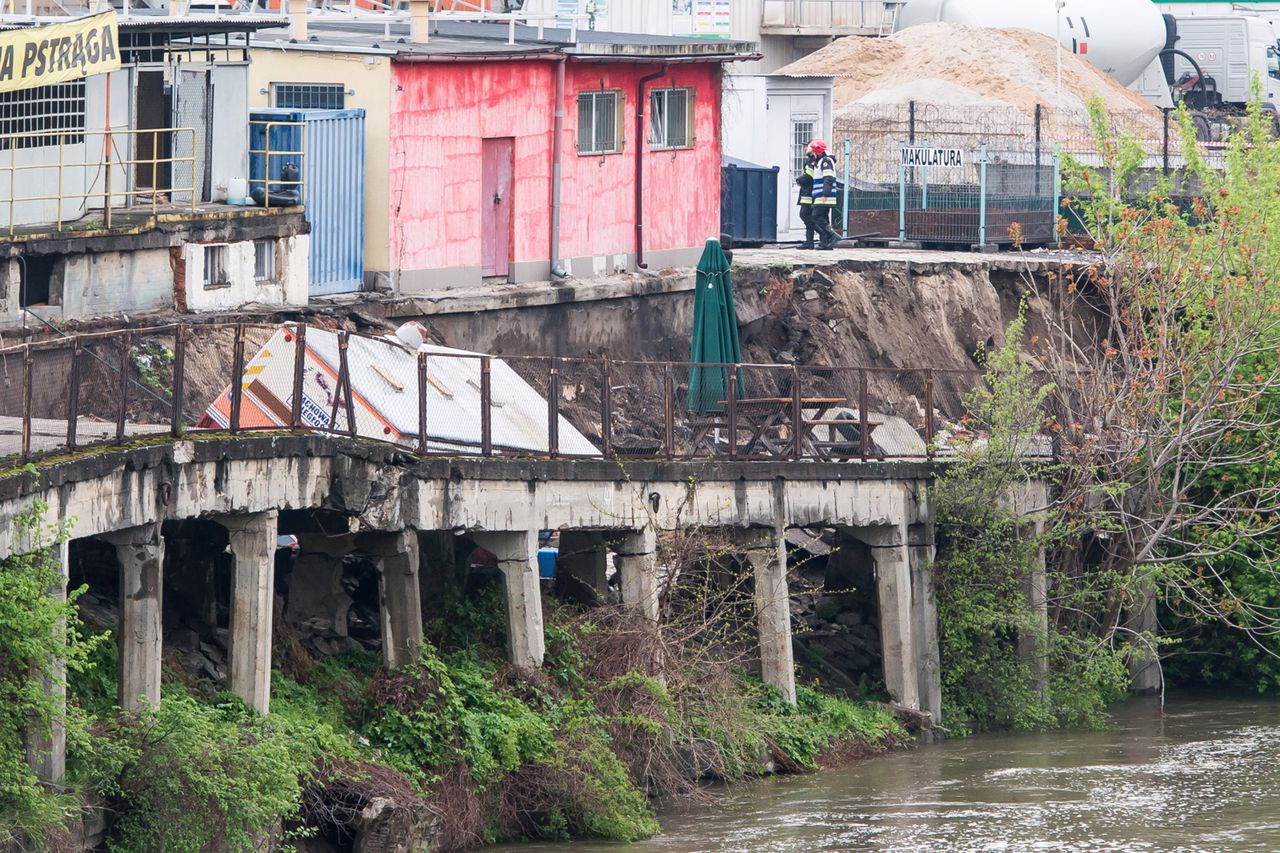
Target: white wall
(289,288)
(757,114)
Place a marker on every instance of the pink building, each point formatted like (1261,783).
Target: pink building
(465,181)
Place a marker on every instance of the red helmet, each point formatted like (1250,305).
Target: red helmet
(817,147)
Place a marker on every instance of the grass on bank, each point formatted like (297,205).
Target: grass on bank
(462,743)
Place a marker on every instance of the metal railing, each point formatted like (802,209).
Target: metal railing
(270,171)
(831,17)
(114,387)
(90,177)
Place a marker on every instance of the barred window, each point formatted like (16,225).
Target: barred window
(671,118)
(264,261)
(803,132)
(215,266)
(33,118)
(309,96)
(599,122)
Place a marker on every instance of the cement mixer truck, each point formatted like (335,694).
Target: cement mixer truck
(1206,61)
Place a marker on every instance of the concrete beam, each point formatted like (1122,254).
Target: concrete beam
(890,552)
(582,567)
(635,558)
(47,751)
(517,553)
(922,550)
(140,551)
(253,549)
(765,552)
(396,556)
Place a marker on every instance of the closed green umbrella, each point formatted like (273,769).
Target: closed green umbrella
(715,332)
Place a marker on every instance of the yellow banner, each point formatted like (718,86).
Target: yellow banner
(56,53)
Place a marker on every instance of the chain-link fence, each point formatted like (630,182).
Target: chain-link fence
(113,388)
(893,200)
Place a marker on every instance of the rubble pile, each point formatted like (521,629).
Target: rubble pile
(956,64)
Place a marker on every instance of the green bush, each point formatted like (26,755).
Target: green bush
(36,631)
(187,775)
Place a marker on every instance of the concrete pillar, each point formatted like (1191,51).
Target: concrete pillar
(517,553)
(635,559)
(140,551)
(253,550)
(47,751)
(1030,500)
(317,601)
(1145,675)
(1032,641)
(396,556)
(582,567)
(765,552)
(889,551)
(924,622)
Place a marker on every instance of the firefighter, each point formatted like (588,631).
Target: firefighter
(805,181)
(823,193)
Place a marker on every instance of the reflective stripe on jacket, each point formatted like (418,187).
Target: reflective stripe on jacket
(824,182)
(806,181)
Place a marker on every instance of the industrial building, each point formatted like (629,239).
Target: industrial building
(505,153)
(114,186)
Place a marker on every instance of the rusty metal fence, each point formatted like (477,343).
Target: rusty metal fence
(62,395)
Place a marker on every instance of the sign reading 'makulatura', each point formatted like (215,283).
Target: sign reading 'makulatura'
(56,53)
(944,157)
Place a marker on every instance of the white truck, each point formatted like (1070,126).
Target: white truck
(1207,60)
(1229,53)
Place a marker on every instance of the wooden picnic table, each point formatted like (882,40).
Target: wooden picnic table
(767,416)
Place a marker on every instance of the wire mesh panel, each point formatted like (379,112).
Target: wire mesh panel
(638,404)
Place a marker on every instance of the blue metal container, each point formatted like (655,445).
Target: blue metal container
(333,185)
(748,202)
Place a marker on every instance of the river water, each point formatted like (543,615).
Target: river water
(1204,775)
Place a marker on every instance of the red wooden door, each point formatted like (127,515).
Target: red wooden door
(497,164)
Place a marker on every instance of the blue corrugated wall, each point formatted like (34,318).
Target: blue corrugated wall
(334,187)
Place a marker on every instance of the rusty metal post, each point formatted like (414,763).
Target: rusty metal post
(299,374)
(669,411)
(349,399)
(797,424)
(863,434)
(73,395)
(553,409)
(486,407)
(122,412)
(928,413)
(237,378)
(26,402)
(422,402)
(606,408)
(179,378)
(732,398)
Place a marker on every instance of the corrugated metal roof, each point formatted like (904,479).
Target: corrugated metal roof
(157,21)
(462,38)
(384,384)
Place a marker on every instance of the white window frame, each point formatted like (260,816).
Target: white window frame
(660,131)
(215,265)
(588,146)
(264,248)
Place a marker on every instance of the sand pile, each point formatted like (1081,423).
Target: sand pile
(953,64)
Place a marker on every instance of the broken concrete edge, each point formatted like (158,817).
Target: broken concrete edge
(680,280)
(154,452)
